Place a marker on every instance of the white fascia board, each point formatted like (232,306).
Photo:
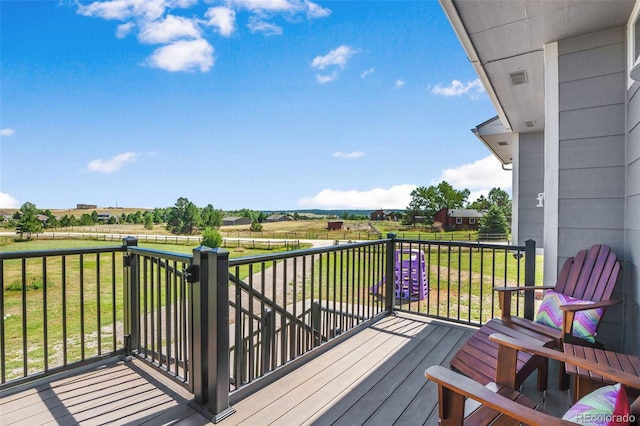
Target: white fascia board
(452,14)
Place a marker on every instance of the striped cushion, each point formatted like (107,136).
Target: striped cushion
(606,406)
(585,323)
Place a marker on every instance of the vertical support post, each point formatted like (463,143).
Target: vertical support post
(198,329)
(316,320)
(529,277)
(215,273)
(132,296)
(390,274)
(267,338)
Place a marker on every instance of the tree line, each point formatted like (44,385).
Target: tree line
(427,201)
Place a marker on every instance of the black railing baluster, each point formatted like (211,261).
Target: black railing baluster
(45,321)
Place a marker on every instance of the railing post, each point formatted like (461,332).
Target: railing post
(214,273)
(132,296)
(529,277)
(390,274)
(198,329)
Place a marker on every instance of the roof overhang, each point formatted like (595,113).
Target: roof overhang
(497,138)
(505,41)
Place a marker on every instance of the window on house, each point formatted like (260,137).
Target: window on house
(472,221)
(458,221)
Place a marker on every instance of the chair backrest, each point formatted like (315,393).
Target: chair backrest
(590,275)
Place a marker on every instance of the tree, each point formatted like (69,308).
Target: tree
(148,221)
(211,218)
(496,197)
(256,226)
(211,238)
(28,222)
(494,222)
(184,217)
(426,202)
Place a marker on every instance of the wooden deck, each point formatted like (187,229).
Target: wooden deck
(375,377)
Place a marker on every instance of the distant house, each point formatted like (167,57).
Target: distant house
(104,217)
(334,226)
(385,215)
(43,218)
(278,218)
(235,220)
(458,219)
(6,215)
(86,206)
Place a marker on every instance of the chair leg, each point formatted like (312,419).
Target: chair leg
(563,377)
(543,376)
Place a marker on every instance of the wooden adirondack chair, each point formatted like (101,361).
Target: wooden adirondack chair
(503,404)
(589,276)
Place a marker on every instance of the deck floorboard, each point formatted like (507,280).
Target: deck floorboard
(375,377)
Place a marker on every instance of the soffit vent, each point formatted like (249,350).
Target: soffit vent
(519,77)
(530,124)
(503,143)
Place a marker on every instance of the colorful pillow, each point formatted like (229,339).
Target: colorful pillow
(607,406)
(585,323)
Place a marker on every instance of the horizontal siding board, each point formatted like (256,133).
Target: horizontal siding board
(633,151)
(633,213)
(592,122)
(531,143)
(592,92)
(530,174)
(592,152)
(606,182)
(631,273)
(531,215)
(583,213)
(590,41)
(591,63)
(633,111)
(633,178)
(572,240)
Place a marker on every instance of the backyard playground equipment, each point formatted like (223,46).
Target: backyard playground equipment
(411,276)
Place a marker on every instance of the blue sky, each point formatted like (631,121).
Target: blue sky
(259,104)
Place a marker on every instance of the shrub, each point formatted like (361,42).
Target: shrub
(211,238)
(256,226)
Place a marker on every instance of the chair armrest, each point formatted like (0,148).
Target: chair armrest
(587,306)
(525,288)
(469,388)
(605,371)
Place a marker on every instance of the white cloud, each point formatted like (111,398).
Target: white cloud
(124,9)
(222,18)
(168,30)
(457,88)
(365,73)
(396,197)
(346,155)
(326,78)
(316,11)
(312,10)
(399,83)
(257,25)
(7,132)
(478,177)
(124,30)
(8,202)
(338,56)
(183,55)
(112,165)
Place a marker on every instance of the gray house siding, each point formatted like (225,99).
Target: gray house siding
(531,183)
(632,243)
(591,180)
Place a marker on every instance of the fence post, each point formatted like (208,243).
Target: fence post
(390,274)
(215,274)
(132,296)
(529,277)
